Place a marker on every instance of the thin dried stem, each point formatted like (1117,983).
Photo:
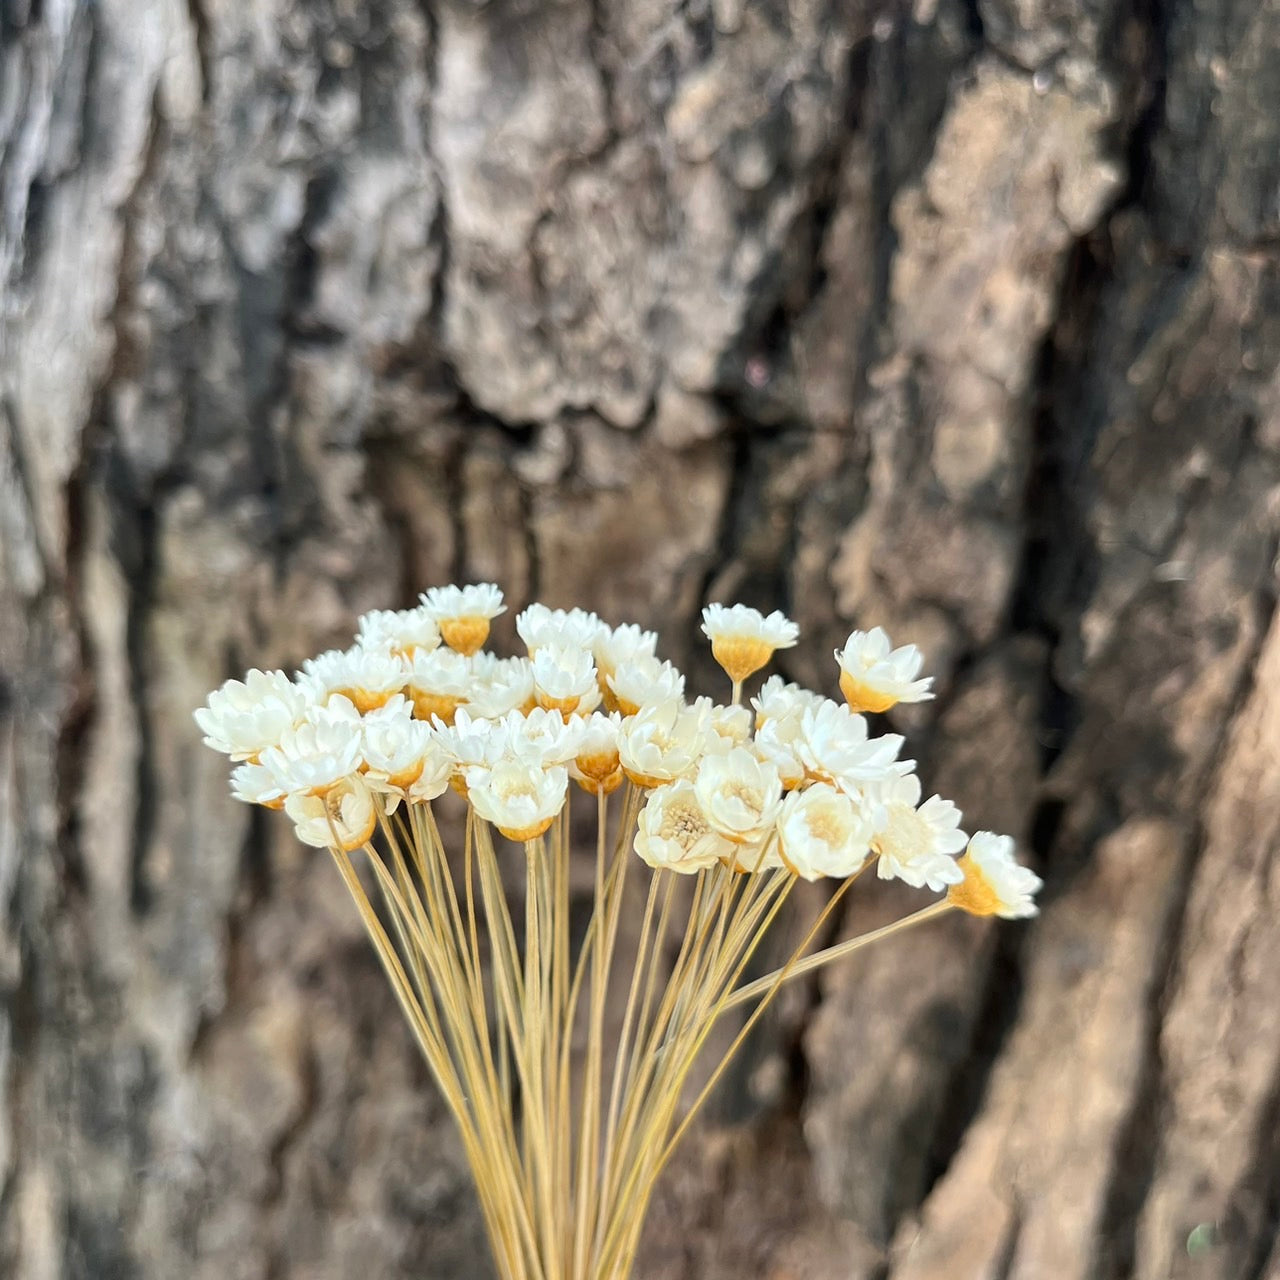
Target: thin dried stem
(564,1188)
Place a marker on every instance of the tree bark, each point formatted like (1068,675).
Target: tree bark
(958,318)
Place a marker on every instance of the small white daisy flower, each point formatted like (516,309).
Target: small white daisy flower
(622,646)
(438,772)
(776,741)
(366,676)
(346,813)
(743,639)
(995,883)
(674,833)
(326,673)
(874,676)
(597,766)
(243,718)
(779,698)
(916,845)
(542,737)
(661,744)
(539,626)
(834,747)
(823,832)
(564,680)
(395,746)
(403,757)
(256,784)
(740,794)
(399,631)
(439,683)
(320,752)
(471,742)
(521,800)
(643,682)
(731,724)
(463,613)
(500,685)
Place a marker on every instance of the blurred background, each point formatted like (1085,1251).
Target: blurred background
(959,318)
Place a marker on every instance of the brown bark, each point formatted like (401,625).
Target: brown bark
(959,318)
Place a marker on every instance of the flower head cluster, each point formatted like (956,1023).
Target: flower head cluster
(795,781)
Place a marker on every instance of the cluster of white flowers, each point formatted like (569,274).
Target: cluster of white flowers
(417,705)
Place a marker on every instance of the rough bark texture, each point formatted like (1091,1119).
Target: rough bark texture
(961,318)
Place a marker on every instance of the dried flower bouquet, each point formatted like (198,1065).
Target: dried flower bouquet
(566,1123)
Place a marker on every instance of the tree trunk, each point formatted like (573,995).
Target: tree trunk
(960,318)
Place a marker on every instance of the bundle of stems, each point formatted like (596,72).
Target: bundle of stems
(568,1121)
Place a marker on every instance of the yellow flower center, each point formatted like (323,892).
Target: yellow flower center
(741,656)
(526,833)
(406,777)
(822,826)
(685,825)
(751,799)
(974,893)
(862,697)
(825,826)
(340,808)
(598,764)
(605,785)
(367,700)
(565,706)
(465,635)
(444,705)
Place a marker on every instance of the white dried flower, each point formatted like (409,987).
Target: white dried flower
(326,673)
(597,767)
(740,794)
(731,724)
(521,800)
(368,677)
(395,746)
(539,627)
(564,680)
(256,784)
(823,832)
(777,741)
(320,752)
(243,718)
(779,698)
(399,631)
(622,646)
(470,741)
(995,883)
(437,773)
(743,639)
(834,747)
(663,743)
(674,833)
(542,737)
(439,683)
(463,613)
(874,676)
(499,685)
(916,845)
(346,814)
(644,682)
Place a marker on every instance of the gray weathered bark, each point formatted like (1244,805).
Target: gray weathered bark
(960,318)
